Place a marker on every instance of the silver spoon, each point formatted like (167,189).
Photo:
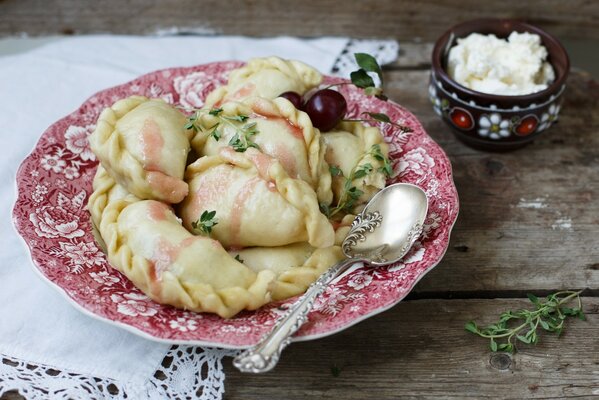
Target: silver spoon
(380,235)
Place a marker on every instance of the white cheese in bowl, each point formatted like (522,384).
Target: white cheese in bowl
(488,64)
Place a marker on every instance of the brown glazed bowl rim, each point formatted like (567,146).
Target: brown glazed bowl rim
(557,51)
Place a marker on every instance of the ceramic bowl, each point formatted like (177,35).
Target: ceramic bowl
(496,122)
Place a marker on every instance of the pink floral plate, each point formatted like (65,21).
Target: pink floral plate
(55,181)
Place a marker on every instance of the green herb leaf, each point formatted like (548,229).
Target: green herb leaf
(215,133)
(363,170)
(378,116)
(238,258)
(493,345)
(335,170)
(205,223)
(215,111)
(471,327)
(373,91)
(534,299)
(361,79)
(325,209)
(238,118)
(369,63)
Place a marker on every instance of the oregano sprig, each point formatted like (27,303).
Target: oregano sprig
(523,325)
(205,223)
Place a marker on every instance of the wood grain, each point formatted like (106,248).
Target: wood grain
(528,218)
(401,19)
(420,350)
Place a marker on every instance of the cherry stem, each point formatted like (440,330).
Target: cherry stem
(336,84)
(372,120)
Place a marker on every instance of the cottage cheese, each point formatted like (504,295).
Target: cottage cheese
(491,65)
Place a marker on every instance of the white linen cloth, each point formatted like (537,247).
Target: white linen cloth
(38,326)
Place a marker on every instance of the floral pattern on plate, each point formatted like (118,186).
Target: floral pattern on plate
(55,181)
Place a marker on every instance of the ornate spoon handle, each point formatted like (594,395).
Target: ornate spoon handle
(264,356)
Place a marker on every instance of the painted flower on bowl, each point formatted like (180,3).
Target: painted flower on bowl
(183,325)
(436,102)
(53,162)
(76,141)
(189,88)
(133,304)
(82,254)
(52,222)
(60,220)
(416,161)
(492,126)
(548,118)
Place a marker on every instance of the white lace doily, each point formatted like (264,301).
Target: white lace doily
(186,372)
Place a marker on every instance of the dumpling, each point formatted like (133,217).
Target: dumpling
(266,77)
(284,133)
(351,146)
(143,144)
(144,240)
(105,191)
(296,265)
(256,202)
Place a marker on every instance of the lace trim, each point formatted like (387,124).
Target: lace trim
(186,372)
(385,52)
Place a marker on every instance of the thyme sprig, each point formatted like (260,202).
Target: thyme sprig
(240,141)
(351,194)
(550,315)
(205,223)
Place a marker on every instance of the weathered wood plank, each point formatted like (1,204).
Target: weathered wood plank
(528,218)
(413,55)
(401,19)
(420,350)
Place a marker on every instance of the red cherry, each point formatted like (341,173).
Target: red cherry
(294,98)
(527,125)
(461,118)
(326,108)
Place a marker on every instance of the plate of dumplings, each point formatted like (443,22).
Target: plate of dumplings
(194,205)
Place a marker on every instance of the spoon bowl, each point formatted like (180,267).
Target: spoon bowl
(381,234)
(401,211)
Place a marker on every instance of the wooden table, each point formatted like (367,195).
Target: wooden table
(528,224)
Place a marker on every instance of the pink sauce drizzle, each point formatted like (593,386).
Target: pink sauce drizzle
(173,190)
(238,205)
(165,254)
(243,92)
(262,162)
(211,188)
(157,211)
(152,143)
(286,158)
(264,109)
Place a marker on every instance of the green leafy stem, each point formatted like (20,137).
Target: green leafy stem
(550,315)
(351,194)
(241,140)
(205,223)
